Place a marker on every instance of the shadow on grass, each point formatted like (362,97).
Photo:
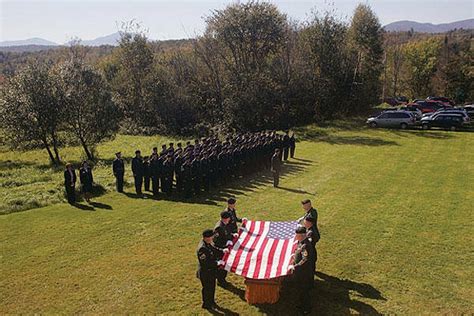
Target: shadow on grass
(330,296)
(82,206)
(332,138)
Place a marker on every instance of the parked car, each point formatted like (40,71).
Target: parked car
(442,100)
(427,106)
(469,110)
(402,99)
(402,119)
(391,101)
(462,112)
(446,121)
(416,111)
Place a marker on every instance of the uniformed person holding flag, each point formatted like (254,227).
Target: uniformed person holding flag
(302,271)
(208,257)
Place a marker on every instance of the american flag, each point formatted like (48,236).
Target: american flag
(263,250)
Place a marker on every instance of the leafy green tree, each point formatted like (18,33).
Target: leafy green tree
(422,62)
(90,114)
(329,67)
(365,37)
(31,110)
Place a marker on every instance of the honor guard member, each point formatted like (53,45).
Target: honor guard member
(208,257)
(118,168)
(232,226)
(222,239)
(292,145)
(313,236)
(154,170)
(70,183)
(310,211)
(276,167)
(286,145)
(138,171)
(86,178)
(303,275)
(146,173)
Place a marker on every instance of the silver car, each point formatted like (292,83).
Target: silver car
(401,119)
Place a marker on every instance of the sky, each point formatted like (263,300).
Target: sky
(60,20)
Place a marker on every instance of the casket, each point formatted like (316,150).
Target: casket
(262,291)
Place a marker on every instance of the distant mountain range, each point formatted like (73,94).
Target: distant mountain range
(30,41)
(112,39)
(404,26)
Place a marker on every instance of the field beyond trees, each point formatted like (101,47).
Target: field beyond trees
(395,213)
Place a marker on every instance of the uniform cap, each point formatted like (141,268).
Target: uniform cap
(208,233)
(300,230)
(305,201)
(225,214)
(231,201)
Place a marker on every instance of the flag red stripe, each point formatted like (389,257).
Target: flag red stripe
(282,257)
(251,248)
(256,271)
(268,268)
(242,247)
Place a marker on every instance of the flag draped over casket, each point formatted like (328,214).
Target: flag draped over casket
(263,250)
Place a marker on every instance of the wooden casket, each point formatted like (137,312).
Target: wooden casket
(262,291)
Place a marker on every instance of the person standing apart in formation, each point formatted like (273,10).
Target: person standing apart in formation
(85,175)
(118,168)
(70,183)
(276,167)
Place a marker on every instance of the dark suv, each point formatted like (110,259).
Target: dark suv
(446,121)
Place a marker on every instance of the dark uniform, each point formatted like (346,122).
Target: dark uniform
(232,226)
(222,236)
(303,274)
(138,171)
(286,146)
(207,256)
(118,168)
(312,234)
(146,174)
(85,175)
(276,168)
(292,146)
(70,185)
(155,170)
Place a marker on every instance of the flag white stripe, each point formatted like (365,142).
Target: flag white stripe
(235,248)
(276,258)
(253,259)
(286,263)
(243,256)
(266,252)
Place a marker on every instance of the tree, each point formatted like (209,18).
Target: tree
(421,59)
(31,109)
(90,114)
(328,65)
(365,36)
(243,39)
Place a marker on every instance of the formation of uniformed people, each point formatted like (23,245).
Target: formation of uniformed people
(208,162)
(215,244)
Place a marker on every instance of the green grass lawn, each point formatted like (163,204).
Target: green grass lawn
(396,219)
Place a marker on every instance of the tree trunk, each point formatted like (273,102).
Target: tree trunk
(51,157)
(55,148)
(86,149)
